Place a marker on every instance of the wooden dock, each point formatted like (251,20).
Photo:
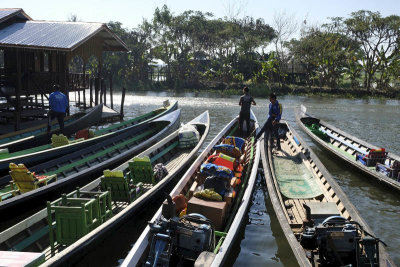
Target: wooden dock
(110,114)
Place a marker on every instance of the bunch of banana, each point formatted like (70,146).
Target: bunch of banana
(208,194)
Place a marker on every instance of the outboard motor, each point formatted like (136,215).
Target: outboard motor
(335,240)
(185,237)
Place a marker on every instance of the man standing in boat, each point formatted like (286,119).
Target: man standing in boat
(245,102)
(58,103)
(274,116)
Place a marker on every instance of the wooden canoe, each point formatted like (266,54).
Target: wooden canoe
(345,146)
(166,151)
(231,226)
(41,137)
(295,164)
(39,154)
(82,166)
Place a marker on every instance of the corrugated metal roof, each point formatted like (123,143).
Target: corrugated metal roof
(5,12)
(56,35)
(64,35)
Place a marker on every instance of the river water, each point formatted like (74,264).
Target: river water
(261,241)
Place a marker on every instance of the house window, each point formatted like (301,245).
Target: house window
(45,62)
(1,59)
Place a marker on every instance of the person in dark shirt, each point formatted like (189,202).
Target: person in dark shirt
(245,102)
(58,103)
(274,116)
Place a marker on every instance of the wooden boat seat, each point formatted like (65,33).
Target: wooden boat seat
(25,180)
(392,171)
(75,217)
(373,157)
(117,184)
(62,140)
(141,170)
(76,214)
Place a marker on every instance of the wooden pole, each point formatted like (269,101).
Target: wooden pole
(121,113)
(111,93)
(96,91)
(91,91)
(17,114)
(84,85)
(101,90)
(103,86)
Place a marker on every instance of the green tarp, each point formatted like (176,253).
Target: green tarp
(295,180)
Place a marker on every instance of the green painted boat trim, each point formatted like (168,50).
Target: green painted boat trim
(108,150)
(220,234)
(233,130)
(165,151)
(35,132)
(118,125)
(25,152)
(31,239)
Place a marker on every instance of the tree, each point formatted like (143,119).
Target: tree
(285,27)
(378,37)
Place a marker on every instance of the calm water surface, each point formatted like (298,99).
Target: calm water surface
(261,241)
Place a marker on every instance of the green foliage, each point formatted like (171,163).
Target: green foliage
(200,50)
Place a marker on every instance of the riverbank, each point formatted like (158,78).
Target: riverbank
(263,90)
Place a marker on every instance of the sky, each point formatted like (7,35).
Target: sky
(132,12)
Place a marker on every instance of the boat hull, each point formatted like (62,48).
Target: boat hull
(92,118)
(67,182)
(334,194)
(377,176)
(136,255)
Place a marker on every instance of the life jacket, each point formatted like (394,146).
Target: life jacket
(235,141)
(229,162)
(216,170)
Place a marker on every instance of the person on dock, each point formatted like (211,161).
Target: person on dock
(245,102)
(58,103)
(274,116)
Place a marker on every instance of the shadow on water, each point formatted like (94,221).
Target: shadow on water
(261,241)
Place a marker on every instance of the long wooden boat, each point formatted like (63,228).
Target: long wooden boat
(33,127)
(39,154)
(346,147)
(322,226)
(212,228)
(32,234)
(82,166)
(41,137)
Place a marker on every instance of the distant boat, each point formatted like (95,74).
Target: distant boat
(125,201)
(372,161)
(39,154)
(322,226)
(84,165)
(206,237)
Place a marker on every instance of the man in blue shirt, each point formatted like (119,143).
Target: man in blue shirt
(58,103)
(274,116)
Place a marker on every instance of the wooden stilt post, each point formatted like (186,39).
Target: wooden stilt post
(91,92)
(79,98)
(96,91)
(17,114)
(111,93)
(84,86)
(121,113)
(101,90)
(103,86)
